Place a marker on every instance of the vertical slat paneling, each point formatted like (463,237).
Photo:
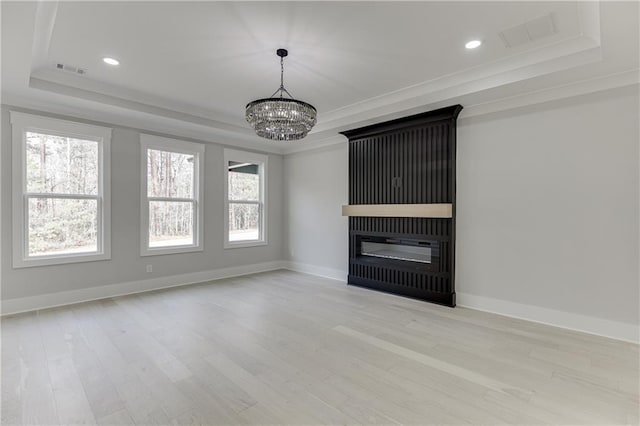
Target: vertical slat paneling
(430,172)
(423,157)
(438,166)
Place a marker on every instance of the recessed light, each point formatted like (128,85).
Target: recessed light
(110,61)
(473,44)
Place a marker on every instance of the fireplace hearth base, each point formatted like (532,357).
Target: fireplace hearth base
(446,299)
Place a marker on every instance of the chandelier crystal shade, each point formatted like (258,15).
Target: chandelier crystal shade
(279,118)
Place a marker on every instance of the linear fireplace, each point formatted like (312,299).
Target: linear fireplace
(402,206)
(399,251)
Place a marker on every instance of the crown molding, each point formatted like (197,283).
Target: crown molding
(461,84)
(105,97)
(579,88)
(143,122)
(188,129)
(310,144)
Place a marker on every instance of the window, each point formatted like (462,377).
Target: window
(172,175)
(61,191)
(245,199)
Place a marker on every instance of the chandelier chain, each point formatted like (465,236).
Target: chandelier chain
(282,89)
(281,75)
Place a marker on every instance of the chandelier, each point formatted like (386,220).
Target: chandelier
(280,118)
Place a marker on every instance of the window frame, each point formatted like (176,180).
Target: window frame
(262,161)
(181,147)
(21,123)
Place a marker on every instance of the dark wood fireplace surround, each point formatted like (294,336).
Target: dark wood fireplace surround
(409,161)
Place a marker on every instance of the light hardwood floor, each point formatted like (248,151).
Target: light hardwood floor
(289,348)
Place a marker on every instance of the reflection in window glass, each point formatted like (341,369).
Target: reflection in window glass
(244,181)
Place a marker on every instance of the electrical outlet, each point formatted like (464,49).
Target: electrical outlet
(149,268)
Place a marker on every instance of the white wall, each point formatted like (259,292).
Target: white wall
(316,186)
(126,264)
(547,212)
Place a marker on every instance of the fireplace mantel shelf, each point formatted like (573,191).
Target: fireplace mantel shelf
(398,210)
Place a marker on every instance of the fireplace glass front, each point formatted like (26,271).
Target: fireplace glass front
(399,249)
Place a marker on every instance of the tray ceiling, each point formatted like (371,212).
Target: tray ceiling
(199,63)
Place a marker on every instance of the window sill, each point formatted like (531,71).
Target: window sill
(59,260)
(244,244)
(170,250)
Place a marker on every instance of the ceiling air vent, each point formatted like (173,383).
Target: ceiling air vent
(70,68)
(533,30)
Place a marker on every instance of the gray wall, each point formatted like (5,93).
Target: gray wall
(547,211)
(126,264)
(316,186)
(547,206)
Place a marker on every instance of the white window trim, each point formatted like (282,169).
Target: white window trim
(22,123)
(262,161)
(172,145)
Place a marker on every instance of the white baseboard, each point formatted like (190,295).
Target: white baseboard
(334,274)
(571,321)
(33,303)
(578,322)
(587,324)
